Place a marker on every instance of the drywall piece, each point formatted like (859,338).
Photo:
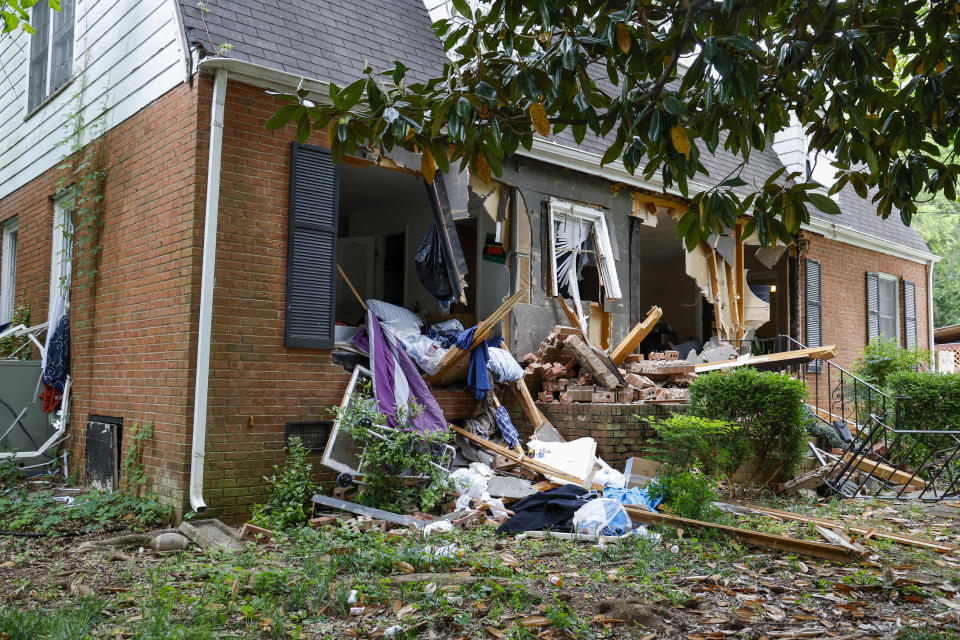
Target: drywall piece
(362,510)
(213,534)
(507,487)
(488,194)
(575,457)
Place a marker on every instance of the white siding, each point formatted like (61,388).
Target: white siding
(127,53)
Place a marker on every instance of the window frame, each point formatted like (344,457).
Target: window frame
(8,269)
(49,92)
(897,316)
(61,250)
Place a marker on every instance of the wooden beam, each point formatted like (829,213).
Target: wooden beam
(350,284)
(571,316)
(883,471)
(784,358)
(734,303)
(484,327)
(715,289)
(530,409)
(866,532)
(755,538)
(740,270)
(640,331)
(523,461)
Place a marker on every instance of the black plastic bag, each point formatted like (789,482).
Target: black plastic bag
(431,263)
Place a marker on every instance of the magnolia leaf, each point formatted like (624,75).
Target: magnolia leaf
(824,203)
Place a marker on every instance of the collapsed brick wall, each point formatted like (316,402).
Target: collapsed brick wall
(132,347)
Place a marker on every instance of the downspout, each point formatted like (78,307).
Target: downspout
(930,341)
(201,385)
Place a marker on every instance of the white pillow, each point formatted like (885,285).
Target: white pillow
(387,312)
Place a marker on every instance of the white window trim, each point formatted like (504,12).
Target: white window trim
(889,277)
(8,270)
(48,95)
(601,237)
(61,257)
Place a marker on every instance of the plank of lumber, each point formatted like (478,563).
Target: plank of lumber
(640,331)
(530,409)
(784,357)
(527,463)
(734,302)
(884,471)
(715,290)
(571,316)
(455,354)
(901,538)
(756,538)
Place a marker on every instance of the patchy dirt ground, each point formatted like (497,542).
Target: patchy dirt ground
(691,584)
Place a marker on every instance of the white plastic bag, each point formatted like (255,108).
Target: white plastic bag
(468,482)
(601,516)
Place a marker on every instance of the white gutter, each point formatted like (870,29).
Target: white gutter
(930,338)
(201,386)
(850,236)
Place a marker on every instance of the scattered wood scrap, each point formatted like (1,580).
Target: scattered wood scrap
(773,360)
(866,532)
(640,331)
(883,471)
(812,548)
(526,463)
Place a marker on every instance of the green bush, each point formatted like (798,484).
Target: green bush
(884,356)
(718,447)
(689,494)
(931,402)
(768,407)
(291,490)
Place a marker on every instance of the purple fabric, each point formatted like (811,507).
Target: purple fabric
(396,380)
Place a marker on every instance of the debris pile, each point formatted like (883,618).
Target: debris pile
(567,369)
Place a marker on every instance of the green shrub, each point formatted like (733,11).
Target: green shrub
(768,407)
(291,490)
(884,356)
(689,494)
(931,402)
(718,447)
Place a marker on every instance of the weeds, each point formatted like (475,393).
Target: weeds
(72,622)
(291,490)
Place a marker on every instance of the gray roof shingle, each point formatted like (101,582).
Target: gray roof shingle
(330,40)
(333,40)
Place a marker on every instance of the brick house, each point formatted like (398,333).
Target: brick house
(212,306)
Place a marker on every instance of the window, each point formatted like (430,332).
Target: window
(578,236)
(883,306)
(62,254)
(8,270)
(51,51)
(889,307)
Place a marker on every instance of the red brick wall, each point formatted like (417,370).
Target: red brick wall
(844,298)
(254,379)
(132,352)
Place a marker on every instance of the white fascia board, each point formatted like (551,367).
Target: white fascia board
(560,155)
(848,235)
(266,78)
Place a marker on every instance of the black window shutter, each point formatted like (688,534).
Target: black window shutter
(910,314)
(40,21)
(312,251)
(813,329)
(873,306)
(61,63)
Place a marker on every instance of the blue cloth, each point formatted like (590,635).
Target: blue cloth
(633,495)
(58,355)
(477,377)
(507,430)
